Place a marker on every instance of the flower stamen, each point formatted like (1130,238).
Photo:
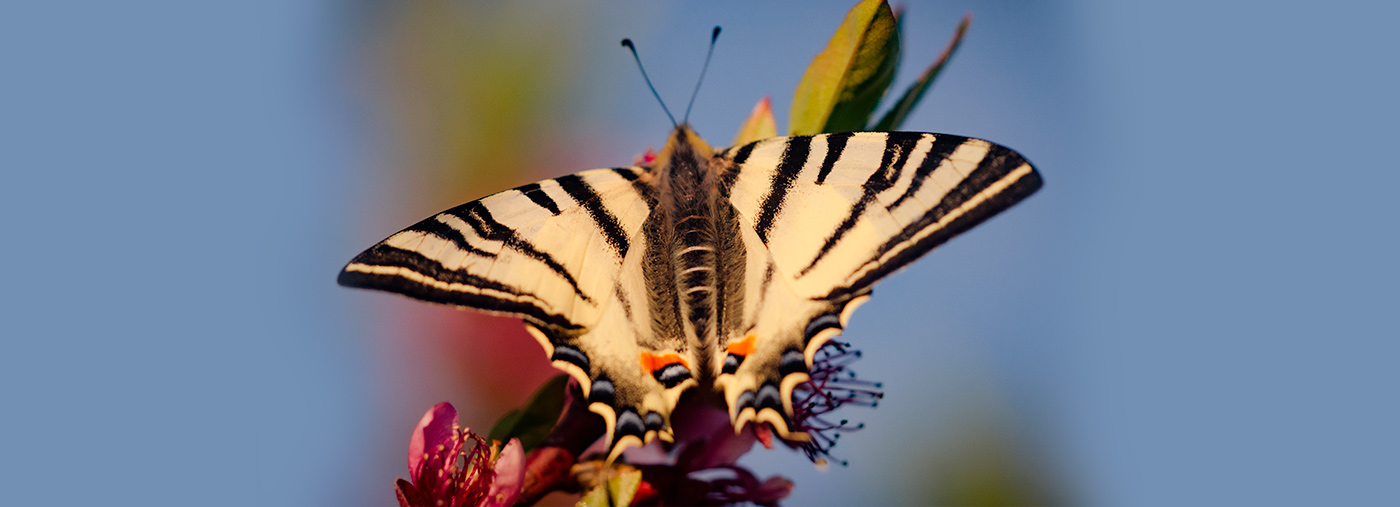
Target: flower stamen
(831,385)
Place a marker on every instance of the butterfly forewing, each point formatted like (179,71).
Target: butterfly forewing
(549,252)
(864,204)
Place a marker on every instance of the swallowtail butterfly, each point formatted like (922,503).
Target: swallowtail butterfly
(717,270)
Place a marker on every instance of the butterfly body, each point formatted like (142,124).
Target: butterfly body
(717,270)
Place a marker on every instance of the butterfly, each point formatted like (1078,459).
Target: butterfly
(719,271)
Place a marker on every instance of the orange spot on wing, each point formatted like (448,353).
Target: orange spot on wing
(742,348)
(652,362)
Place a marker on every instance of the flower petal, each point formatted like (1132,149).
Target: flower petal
(510,476)
(435,428)
(406,494)
(774,489)
(760,124)
(724,448)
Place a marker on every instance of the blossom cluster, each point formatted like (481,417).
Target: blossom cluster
(451,466)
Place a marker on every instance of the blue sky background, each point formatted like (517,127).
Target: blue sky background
(1197,309)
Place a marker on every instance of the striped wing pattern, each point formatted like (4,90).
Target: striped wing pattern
(548,252)
(564,255)
(838,212)
(802,227)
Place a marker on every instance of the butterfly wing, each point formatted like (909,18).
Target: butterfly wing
(838,212)
(520,252)
(552,253)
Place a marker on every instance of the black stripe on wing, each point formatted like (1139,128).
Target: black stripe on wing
(384,256)
(479,218)
(835,144)
(537,195)
(606,221)
(897,149)
(943,146)
(644,189)
(439,229)
(794,157)
(730,172)
(741,155)
(996,166)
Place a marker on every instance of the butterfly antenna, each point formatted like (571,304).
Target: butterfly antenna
(714,36)
(628,44)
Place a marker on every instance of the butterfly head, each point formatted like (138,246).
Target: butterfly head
(683,144)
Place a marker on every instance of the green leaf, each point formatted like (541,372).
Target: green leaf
(596,497)
(896,116)
(617,491)
(846,80)
(623,487)
(533,422)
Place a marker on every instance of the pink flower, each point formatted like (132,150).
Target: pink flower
(445,472)
(701,468)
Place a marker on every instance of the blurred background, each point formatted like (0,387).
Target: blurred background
(1196,309)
